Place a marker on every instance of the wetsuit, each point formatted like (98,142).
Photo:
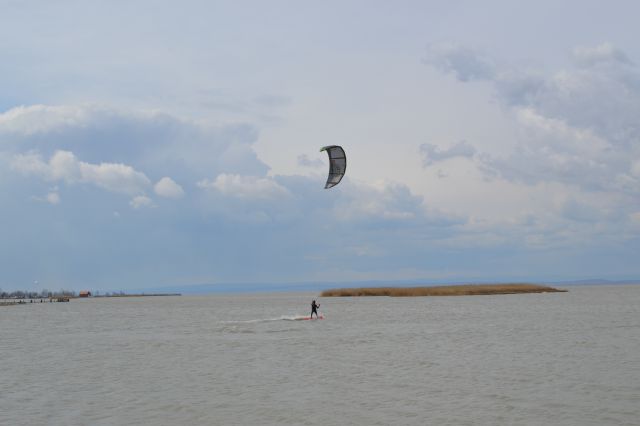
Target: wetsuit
(314,309)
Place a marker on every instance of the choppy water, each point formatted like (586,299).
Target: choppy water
(549,359)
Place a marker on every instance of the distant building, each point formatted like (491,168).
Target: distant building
(84,293)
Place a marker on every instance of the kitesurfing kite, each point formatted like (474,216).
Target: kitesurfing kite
(337,164)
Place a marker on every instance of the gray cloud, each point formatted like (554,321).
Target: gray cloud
(305,161)
(157,144)
(577,127)
(231,220)
(432,154)
(465,63)
(273,101)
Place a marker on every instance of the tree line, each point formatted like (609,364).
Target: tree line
(42,294)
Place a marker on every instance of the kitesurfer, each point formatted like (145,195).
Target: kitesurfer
(314,308)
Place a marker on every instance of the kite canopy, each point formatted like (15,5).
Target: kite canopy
(337,164)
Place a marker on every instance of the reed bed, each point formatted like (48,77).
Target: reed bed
(449,290)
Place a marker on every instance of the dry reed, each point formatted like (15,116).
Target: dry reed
(449,290)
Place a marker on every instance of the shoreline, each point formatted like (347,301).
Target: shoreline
(136,295)
(12,301)
(449,290)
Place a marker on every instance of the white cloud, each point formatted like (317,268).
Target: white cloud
(432,153)
(167,187)
(115,177)
(141,201)
(35,119)
(250,187)
(64,166)
(30,164)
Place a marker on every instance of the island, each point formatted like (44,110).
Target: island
(448,290)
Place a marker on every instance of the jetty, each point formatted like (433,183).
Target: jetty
(448,290)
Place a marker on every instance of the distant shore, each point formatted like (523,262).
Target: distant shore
(12,301)
(137,295)
(449,290)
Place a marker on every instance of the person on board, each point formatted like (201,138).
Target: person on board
(314,308)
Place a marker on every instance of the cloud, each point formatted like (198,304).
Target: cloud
(575,127)
(141,201)
(465,63)
(383,201)
(305,161)
(389,204)
(161,144)
(577,211)
(273,100)
(114,177)
(549,149)
(64,166)
(250,187)
(432,154)
(53,198)
(167,187)
(600,54)
(39,119)
(31,164)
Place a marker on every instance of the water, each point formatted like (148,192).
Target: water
(536,359)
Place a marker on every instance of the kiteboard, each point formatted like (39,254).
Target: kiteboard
(309,318)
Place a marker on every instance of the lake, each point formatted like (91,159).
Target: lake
(531,359)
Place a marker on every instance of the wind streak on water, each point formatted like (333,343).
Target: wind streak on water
(562,359)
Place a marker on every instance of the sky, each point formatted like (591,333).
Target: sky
(146,143)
